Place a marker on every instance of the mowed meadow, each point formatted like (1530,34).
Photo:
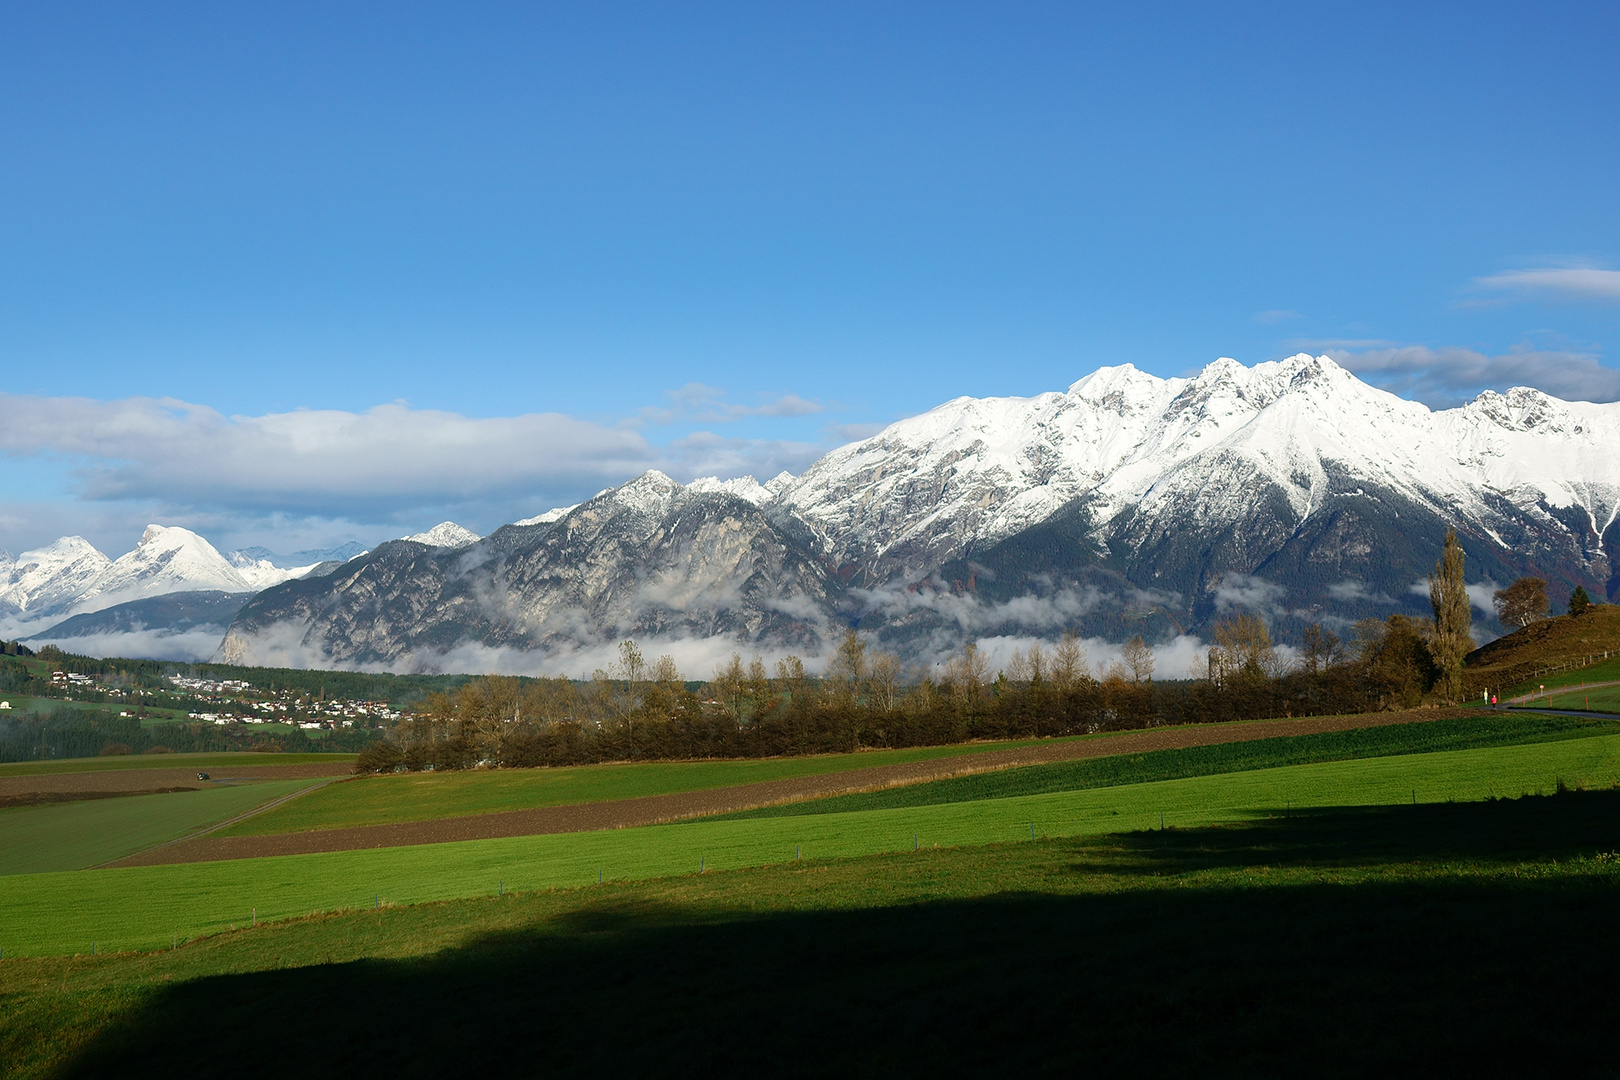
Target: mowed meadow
(1257,894)
(146,907)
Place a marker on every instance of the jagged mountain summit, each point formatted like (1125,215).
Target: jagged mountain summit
(71,576)
(1127,504)
(446,534)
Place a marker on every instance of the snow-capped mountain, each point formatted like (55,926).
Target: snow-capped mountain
(975,471)
(446,534)
(71,576)
(1129,503)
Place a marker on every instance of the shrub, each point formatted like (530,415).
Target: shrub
(380,756)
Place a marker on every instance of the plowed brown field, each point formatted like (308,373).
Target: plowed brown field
(140,781)
(655,809)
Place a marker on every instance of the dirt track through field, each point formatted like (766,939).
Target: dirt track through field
(109,782)
(656,809)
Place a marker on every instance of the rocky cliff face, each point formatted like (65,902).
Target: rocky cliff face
(1128,504)
(649,559)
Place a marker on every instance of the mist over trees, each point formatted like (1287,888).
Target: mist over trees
(640,710)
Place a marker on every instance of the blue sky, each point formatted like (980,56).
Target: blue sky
(726,237)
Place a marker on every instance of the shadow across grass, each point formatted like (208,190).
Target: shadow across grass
(1502,831)
(1211,967)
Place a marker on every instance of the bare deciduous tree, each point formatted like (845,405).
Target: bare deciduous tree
(1138,659)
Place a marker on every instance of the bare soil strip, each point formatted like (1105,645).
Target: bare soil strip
(657,809)
(39,798)
(142,781)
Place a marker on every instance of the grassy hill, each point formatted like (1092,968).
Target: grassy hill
(1560,644)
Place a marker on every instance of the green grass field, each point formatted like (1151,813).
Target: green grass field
(1427,737)
(141,908)
(427,796)
(1444,938)
(73,835)
(165,761)
(1605,699)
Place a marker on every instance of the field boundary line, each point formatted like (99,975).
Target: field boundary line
(216,826)
(664,809)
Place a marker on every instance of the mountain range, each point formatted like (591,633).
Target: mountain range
(71,578)
(1128,504)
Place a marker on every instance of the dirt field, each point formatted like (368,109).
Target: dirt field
(59,787)
(656,809)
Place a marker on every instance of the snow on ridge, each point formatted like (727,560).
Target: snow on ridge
(974,470)
(556,513)
(743,487)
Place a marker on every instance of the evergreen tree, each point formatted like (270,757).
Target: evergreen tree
(1579,601)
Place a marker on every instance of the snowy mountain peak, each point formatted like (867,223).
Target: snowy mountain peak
(1126,386)
(446,534)
(48,577)
(649,493)
(743,487)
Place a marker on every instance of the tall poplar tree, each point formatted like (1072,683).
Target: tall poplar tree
(1452,616)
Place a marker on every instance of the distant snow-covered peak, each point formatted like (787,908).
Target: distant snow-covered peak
(51,576)
(446,534)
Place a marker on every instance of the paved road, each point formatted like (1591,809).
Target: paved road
(1525,699)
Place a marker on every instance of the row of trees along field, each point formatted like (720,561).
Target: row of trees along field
(643,711)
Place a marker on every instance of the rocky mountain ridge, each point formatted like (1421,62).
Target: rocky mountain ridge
(1128,504)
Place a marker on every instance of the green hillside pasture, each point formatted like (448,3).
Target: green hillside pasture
(73,835)
(142,907)
(1602,671)
(1428,737)
(242,759)
(427,796)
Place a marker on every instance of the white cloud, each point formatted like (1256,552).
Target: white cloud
(284,645)
(1248,593)
(188,646)
(1479,596)
(369,466)
(1450,375)
(1580,283)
